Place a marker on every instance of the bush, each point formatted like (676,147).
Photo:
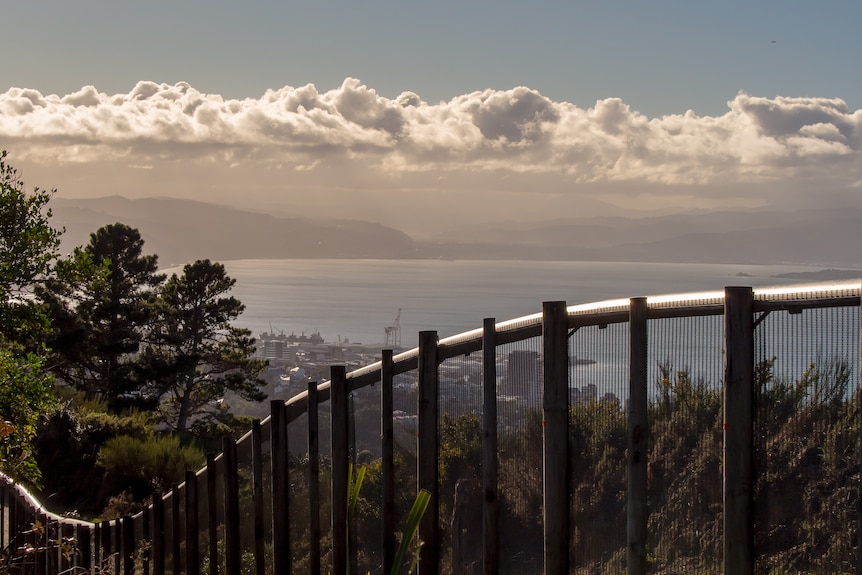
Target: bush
(143,466)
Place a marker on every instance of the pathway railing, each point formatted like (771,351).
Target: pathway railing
(701,433)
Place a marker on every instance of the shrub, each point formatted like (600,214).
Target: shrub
(150,464)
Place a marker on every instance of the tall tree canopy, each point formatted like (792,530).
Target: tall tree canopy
(28,245)
(195,353)
(101,302)
(24,395)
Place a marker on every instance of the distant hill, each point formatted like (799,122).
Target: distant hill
(817,237)
(181,231)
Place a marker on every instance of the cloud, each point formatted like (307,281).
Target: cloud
(491,135)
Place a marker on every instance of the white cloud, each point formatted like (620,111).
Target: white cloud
(353,137)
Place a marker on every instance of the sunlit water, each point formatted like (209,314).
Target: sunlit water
(358,299)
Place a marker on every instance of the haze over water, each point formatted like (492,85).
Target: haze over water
(357,299)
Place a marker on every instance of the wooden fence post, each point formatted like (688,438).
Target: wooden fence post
(176,529)
(257,497)
(555,407)
(738,431)
(4,503)
(128,529)
(313,480)
(212,513)
(158,534)
(118,545)
(105,543)
(428,452)
(638,433)
(83,534)
(387,462)
(340,475)
(490,501)
(232,551)
(352,534)
(147,537)
(193,558)
(280,487)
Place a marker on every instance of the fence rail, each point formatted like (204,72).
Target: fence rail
(670,456)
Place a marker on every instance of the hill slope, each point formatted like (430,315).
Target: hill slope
(180,231)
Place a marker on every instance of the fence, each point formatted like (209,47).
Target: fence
(701,433)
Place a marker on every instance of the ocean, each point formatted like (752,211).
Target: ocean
(356,300)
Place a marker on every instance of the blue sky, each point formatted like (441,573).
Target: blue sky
(657,59)
(660,57)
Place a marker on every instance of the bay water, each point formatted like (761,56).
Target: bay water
(357,299)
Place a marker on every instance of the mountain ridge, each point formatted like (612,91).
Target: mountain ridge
(180,231)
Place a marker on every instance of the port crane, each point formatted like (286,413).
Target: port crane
(393,332)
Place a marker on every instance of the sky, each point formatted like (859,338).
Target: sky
(434,114)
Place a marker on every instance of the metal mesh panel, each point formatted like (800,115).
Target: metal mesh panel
(460,401)
(519,411)
(807,443)
(366,527)
(598,388)
(300,479)
(405,398)
(685,420)
(807,440)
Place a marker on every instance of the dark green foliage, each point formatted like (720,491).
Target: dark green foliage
(69,438)
(195,355)
(24,394)
(100,304)
(460,454)
(145,465)
(807,469)
(597,436)
(28,245)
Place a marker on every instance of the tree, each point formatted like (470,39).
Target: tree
(28,245)
(195,354)
(24,395)
(100,303)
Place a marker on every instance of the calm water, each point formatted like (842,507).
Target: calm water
(357,299)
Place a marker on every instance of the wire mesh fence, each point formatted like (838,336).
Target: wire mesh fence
(805,480)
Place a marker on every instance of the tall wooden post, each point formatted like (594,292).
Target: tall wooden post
(313,480)
(340,473)
(128,529)
(176,529)
(555,407)
(146,529)
(738,431)
(257,497)
(4,493)
(193,559)
(84,533)
(212,514)
(387,461)
(638,432)
(158,535)
(428,450)
(490,501)
(859,493)
(232,550)
(280,487)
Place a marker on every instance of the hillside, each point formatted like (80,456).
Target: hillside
(181,231)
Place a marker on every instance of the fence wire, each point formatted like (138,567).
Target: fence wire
(806,453)
(807,441)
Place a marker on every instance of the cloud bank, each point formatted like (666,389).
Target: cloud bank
(351,137)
